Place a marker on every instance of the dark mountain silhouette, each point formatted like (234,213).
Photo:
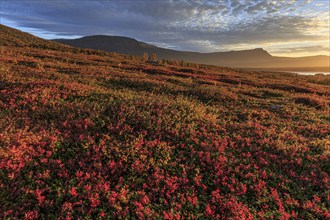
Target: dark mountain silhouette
(255,58)
(111,44)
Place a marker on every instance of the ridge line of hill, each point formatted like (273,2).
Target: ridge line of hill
(254,58)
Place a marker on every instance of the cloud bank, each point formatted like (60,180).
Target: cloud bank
(205,26)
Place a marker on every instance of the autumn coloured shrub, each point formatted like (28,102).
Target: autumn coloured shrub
(94,135)
(311,101)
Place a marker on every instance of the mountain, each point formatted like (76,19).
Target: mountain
(131,46)
(110,43)
(255,58)
(10,37)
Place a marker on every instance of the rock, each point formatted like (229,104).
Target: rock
(275,107)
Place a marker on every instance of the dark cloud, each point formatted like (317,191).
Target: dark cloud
(203,25)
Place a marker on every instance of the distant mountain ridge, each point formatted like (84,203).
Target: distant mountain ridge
(131,46)
(254,58)
(110,43)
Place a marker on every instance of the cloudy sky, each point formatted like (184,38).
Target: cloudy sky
(282,27)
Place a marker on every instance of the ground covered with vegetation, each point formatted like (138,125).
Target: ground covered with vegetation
(88,134)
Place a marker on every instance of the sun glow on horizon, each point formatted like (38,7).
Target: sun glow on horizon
(291,28)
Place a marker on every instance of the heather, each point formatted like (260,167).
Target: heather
(94,135)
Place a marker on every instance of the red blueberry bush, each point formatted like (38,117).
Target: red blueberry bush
(119,142)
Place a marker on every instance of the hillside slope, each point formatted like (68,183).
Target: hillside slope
(101,135)
(255,58)
(16,38)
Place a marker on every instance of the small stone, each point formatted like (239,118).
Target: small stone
(275,107)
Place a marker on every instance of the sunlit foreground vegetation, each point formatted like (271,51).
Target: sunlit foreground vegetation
(87,134)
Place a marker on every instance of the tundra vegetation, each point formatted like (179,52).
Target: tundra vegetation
(94,135)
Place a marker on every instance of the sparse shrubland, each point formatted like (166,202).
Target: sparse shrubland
(98,135)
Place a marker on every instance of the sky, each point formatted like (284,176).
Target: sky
(282,27)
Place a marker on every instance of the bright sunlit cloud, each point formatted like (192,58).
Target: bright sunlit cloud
(283,27)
